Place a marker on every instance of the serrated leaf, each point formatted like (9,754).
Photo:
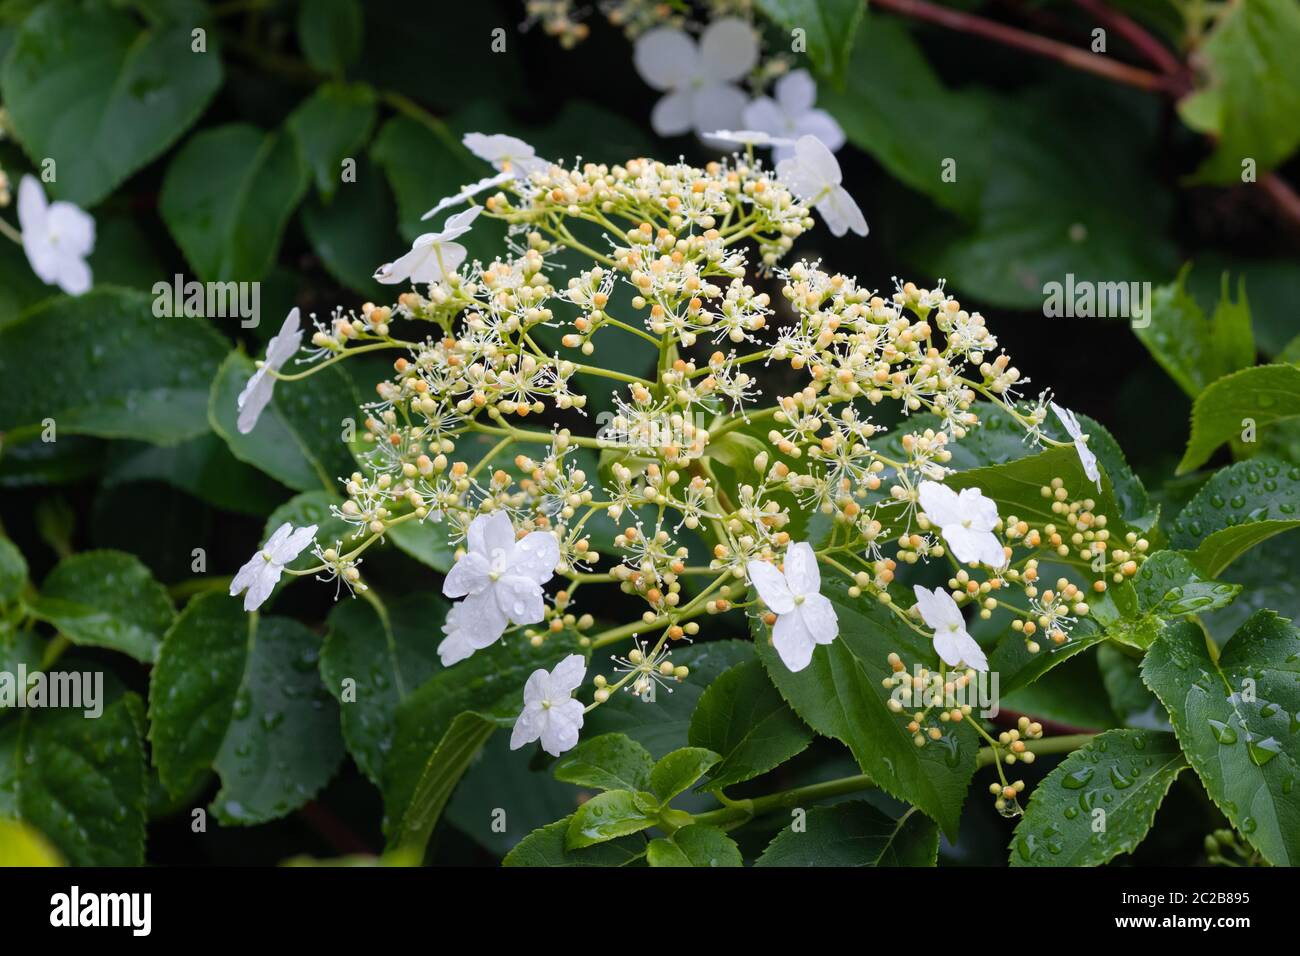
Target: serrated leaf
(607,762)
(107,599)
(1121,774)
(743,717)
(676,771)
(546,847)
(79,362)
(1262,395)
(697,844)
(1235,719)
(855,833)
(101,93)
(388,651)
(1239,507)
(227,196)
(240,693)
(606,816)
(840,695)
(299,438)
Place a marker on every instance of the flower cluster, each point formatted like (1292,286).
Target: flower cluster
(700,498)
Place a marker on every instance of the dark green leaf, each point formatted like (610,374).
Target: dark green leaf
(606,816)
(546,847)
(855,834)
(202,466)
(695,845)
(1239,507)
(676,771)
(330,33)
(607,762)
(828,28)
(332,125)
(1256,396)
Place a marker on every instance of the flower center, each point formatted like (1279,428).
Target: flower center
(266,556)
(966,523)
(546,705)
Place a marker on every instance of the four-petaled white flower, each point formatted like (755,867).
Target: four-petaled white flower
(813,174)
(791,114)
(433,255)
(966,522)
(951,639)
(506,153)
(257,393)
(550,711)
(698,80)
(259,576)
(468,193)
(804,617)
(57,238)
(1086,457)
(500,579)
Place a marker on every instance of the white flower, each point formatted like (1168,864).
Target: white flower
(698,79)
(966,522)
(747,137)
(1086,457)
(501,580)
(257,393)
(951,640)
(804,618)
(433,256)
(791,115)
(260,574)
(461,642)
(506,153)
(814,176)
(57,238)
(550,712)
(464,196)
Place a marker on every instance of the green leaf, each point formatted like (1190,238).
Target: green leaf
(240,693)
(80,782)
(22,845)
(607,762)
(19,287)
(1251,105)
(1235,719)
(1099,802)
(662,725)
(1259,395)
(1129,698)
(227,195)
(606,816)
(332,125)
(1168,585)
(546,847)
(829,27)
(840,695)
(676,771)
(299,438)
(330,33)
(1239,507)
(80,362)
(697,844)
(101,94)
(202,466)
(13,571)
(1195,350)
(107,599)
(447,764)
(387,651)
(1072,694)
(355,231)
(489,685)
(743,718)
(855,833)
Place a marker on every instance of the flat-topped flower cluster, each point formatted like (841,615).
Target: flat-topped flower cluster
(716,490)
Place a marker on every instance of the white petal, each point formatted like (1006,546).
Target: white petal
(958,647)
(841,213)
(793,643)
(800,180)
(454,648)
(459,224)
(717,107)
(771,586)
(1068,420)
(938,609)
(496,147)
(491,534)
(939,502)
(561,731)
(74,227)
(294,545)
(568,675)
(262,584)
(673,114)
(971,545)
(520,599)
(253,400)
(73,276)
(538,686)
(1089,461)
(801,572)
(465,194)
(728,49)
(796,92)
(666,58)
(535,556)
(481,618)
(821,124)
(440,260)
(31,205)
(286,342)
(819,618)
(812,154)
(469,575)
(528,726)
(980,511)
(763,114)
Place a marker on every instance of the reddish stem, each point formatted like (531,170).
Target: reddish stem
(1030,42)
(1288,203)
(1137,36)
